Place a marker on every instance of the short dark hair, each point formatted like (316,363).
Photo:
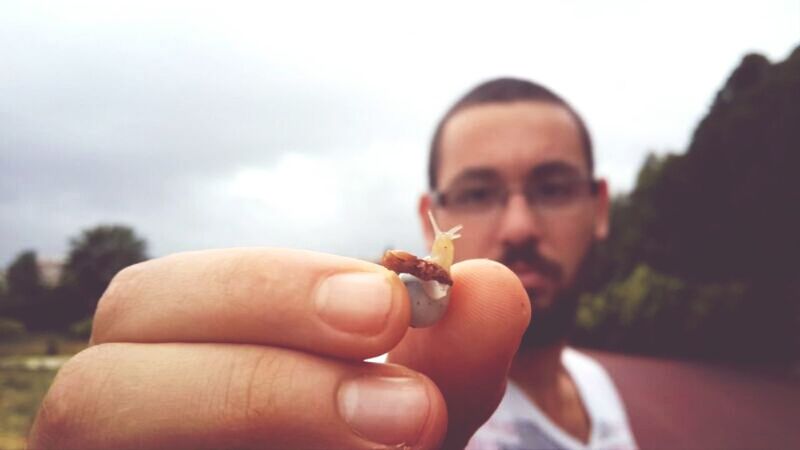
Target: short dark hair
(504,90)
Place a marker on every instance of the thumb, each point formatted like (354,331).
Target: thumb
(468,353)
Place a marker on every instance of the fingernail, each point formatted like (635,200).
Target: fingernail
(357,302)
(385,410)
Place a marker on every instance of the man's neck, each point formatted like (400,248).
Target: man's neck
(544,362)
(542,376)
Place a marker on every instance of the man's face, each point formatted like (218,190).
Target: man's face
(516,177)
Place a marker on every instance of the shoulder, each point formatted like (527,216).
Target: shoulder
(590,376)
(577,361)
(610,425)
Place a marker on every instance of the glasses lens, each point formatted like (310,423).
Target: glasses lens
(556,193)
(474,197)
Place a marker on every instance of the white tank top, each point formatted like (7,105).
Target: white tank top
(518,424)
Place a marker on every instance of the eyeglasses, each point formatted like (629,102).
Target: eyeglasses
(547,195)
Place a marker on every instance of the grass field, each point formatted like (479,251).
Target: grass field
(36,344)
(21,393)
(21,389)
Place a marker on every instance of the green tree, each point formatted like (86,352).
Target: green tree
(26,295)
(651,312)
(95,256)
(24,279)
(709,238)
(633,220)
(729,207)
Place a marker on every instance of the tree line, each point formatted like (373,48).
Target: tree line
(703,254)
(702,259)
(95,256)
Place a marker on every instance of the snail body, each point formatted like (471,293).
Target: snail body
(427,280)
(443,250)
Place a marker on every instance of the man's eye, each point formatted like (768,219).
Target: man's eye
(474,196)
(555,191)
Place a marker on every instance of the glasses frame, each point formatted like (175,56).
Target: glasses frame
(439,198)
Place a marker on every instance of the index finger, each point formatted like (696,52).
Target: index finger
(296,299)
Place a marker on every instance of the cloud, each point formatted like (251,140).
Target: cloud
(167,135)
(306,126)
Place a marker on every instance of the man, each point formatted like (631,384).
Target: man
(263,348)
(513,163)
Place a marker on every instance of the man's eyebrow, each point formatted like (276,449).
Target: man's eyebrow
(554,168)
(476,174)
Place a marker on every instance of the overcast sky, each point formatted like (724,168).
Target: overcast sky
(306,124)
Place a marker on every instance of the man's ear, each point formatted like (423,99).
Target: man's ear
(602,208)
(425,204)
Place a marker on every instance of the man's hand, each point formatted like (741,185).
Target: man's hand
(262,348)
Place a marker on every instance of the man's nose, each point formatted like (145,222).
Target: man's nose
(519,222)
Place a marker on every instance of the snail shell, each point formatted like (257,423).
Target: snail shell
(429,300)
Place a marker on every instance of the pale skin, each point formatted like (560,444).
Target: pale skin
(262,348)
(510,140)
(235,349)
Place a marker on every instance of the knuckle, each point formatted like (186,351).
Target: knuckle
(116,297)
(242,277)
(258,389)
(53,421)
(269,384)
(65,409)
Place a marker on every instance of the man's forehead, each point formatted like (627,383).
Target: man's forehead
(510,139)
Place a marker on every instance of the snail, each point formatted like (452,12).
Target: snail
(427,279)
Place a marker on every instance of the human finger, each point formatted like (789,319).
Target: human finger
(210,396)
(297,299)
(468,353)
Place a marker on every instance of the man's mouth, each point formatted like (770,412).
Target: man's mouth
(539,275)
(530,277)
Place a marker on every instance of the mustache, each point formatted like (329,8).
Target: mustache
(527,253)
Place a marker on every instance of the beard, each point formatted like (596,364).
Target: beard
(556,322)
(553,324)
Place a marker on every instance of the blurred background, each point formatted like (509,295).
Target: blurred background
(130,130)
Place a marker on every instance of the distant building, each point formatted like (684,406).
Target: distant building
(50,270)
